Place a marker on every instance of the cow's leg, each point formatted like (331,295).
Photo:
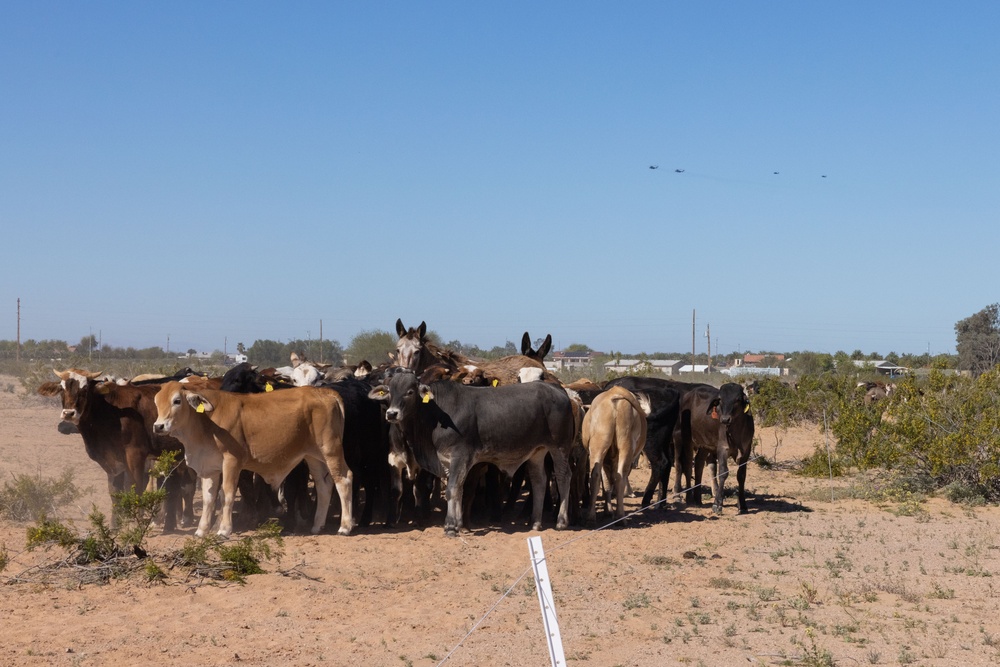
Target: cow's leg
(230,478)
(741,478)
(722,472)
(457,473)
(395,507)
(135,470)
(561,471)
(699,469)
(344,480)
(590,516)
(536,471)
(324,492)
(209,490)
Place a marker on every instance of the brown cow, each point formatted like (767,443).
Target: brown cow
(267,433)
(116,422)
(614,432)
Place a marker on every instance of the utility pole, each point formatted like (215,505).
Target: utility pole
(708,336)
(168,345)
(19,330)
(321,341)
(692,340)
(90,344)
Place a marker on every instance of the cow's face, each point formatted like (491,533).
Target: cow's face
(402,394)
(175,406)
(74,389)
(732,402)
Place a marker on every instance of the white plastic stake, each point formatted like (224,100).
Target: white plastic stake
(544,588)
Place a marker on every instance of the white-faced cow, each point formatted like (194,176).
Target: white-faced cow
(268,434)
(116,422)
(451,426)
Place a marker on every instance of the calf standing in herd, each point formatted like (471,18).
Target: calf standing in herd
(449,425)
(268,433)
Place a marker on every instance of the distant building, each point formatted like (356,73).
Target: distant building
(734,371)
(755,359)
(562,361)
(882,367)
(632,366)
(696,368)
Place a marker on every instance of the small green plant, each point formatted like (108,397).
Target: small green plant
(636,601)
(47,532)
(153,572)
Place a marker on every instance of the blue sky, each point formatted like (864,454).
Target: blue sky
(243,170)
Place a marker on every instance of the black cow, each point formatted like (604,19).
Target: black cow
(450,424)
(716,424)
(366,449)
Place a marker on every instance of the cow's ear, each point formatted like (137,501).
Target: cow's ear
(422,330)
(400,329)
(525,344)
(199,402)
(712,406)
(426,395)
(379,393)
(50,389)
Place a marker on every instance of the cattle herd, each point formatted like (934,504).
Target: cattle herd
(430,426)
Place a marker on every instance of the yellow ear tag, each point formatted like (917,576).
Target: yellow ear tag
(200,408)
(381,393)
(268,387)
(496,382)
(747,408)
(427,398)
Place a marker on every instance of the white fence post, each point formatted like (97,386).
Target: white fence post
(544,588)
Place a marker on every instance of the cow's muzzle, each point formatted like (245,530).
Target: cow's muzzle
(392,415)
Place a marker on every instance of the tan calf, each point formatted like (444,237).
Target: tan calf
(615,427)
(268,433)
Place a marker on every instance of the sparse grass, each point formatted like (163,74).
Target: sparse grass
(33,497)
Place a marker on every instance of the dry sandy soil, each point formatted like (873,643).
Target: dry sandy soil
(802,579)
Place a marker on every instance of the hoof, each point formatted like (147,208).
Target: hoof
(450,532)
(717,509)
(343,531)
(536,526)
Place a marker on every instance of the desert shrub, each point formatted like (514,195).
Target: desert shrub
(211,557)
(32,497)
(822,464)
(946,429)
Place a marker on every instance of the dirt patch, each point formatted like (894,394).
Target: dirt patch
(799,580)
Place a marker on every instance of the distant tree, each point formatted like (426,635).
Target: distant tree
(241,348)
(577,348)
(191,352)
(374,345)
(87,344)
(267,353)
(810,363)
(892,357)
(978,340)
(857,355)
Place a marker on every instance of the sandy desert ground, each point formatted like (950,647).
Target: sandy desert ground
(800,580)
